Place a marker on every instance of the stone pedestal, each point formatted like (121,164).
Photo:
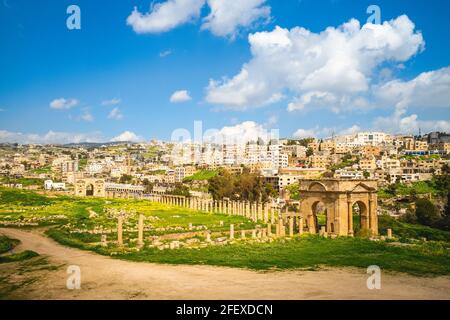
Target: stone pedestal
(141,231)
(120,231)
(231,231)
(389,233)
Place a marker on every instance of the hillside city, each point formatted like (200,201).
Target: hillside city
(410,163)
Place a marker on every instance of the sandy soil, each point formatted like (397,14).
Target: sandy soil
(106,278)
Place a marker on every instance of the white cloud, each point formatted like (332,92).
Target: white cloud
(305,133)
(165,16)
(115,114)
(180,96)
(112,102)
(399,122)
(227,17)
(240,133)
(127,136)
(51,137)
(429,89)
(87,116)
(63,104)
(164,54)
(318,132)
(334,67)
(352,130)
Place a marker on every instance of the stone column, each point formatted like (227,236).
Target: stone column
(120,230)
(350,218)
(389,233)
(291,227)
(269,229)
(141,230)
(300,226)
(231,231)
(281,227)
(272,215)
(266,213)
(277,230)
(312,224)
(247,210)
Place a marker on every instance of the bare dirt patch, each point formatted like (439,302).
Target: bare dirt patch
(107,278)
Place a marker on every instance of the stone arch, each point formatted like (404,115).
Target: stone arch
(320,218)
(90,190)
(339,196)
(317,186)
(360,212)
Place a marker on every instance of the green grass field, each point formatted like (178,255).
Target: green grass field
(7,244)
(202,175)
(71,222)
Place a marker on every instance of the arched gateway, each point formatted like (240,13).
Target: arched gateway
(341,201)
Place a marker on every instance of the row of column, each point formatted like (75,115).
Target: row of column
(255,211)
(280,229)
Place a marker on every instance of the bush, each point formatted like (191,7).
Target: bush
(25,255)
(426,212)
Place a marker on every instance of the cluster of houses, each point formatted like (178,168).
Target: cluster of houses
(365,155)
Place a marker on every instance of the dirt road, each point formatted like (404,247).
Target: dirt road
(106,278)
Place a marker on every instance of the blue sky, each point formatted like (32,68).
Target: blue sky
(137,71)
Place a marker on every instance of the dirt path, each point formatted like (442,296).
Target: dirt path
(106,278)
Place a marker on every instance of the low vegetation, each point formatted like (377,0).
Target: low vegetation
(8,244)
(80,222)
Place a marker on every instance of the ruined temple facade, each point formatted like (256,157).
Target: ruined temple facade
(90,187)
(341,201)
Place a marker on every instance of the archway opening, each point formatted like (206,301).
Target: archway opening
(90,190)
(319,211)
(359,217)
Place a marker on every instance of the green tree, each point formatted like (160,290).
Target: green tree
(126,178)
(148,186)
(426,212)
(180,190)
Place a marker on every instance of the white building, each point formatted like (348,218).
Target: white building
(50,185)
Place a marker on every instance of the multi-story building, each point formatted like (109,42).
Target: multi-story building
(368,164)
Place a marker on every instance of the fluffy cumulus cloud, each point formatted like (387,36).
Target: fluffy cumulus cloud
(180,96)
(228,17)
(225,19)
(115,114)
(240,133)
(63,104)
(401,122)
(127,136)
(165,16)
(51,137)
(332,68)
(427,89)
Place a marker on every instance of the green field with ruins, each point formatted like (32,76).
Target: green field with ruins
(178,235)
